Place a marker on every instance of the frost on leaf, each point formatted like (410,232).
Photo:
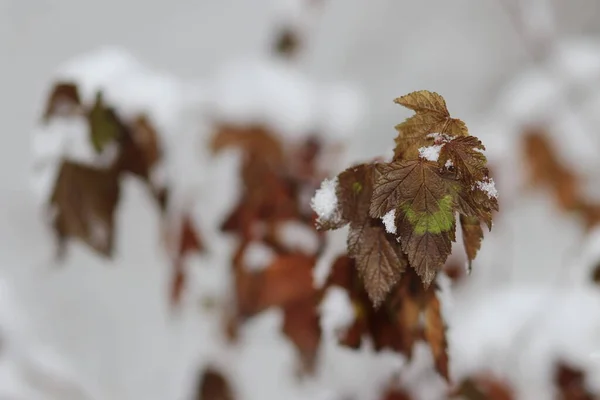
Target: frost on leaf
(389,220)
(424,208)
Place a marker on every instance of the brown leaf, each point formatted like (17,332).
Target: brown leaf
(396,394)
(435,334)
(286,280)
(189,241)
(465,155)
(63,101)
(213,386)
(178,284)
(571,384)
(253,140)
(472,236)
(483,388)
(431,116)
(424,207)
(354,191)
(301,324)
(86,199)
(379,259)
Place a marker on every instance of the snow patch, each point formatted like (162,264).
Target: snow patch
(325,201)
(389,220)
(488,186)
(298,236)
(337,312)
(430,153)
(258,256)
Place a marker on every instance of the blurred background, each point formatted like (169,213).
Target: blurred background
(503,67)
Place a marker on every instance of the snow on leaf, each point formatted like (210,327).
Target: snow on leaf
(430,153)
(325,204)
(424,206)
(389,221)
(488,186)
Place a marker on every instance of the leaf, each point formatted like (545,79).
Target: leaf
(424,207)
(472,236)
(178,283)
(466,157)
(482,388)
(105,126)
(431,116)
(301,324)
(140,148)
(435,334)
(379,259)
(396,394)
(252,140)
(354,190)
(63,101)
(86,199)
(571,383)
(286,280)
(189,241)
(213,386)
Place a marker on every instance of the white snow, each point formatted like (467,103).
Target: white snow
(488,186)
(448,163)
(298,236)
(337,311)
(275,93)
(389,220)
(325,201)
(258,256)
(430,153)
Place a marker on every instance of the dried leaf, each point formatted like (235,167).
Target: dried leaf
(431,116)
(424,208)
(435,334)
(105,126)
(483,388)
(253,140)
(189,241)
(301,324)
(465,155)
(86,199)
(64,101)
(396,394)
(571,384)
(472,235)
(213,386)
(178,284)
(379,259)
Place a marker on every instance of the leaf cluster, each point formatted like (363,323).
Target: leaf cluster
(402,214)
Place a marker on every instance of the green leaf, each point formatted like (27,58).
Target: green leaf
(105,126)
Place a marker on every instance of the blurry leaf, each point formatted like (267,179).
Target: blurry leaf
(213,386)
(472,235)
(178,283)
(63,101)
(482,388)
(431,116)
(253,141)
(571,384)
(189,239)
(396,394)
(465,154)
(105,126)
(85,200)
(424,208)
(301,324)
(140,148)
(287,43)
(286,280)
(435,334)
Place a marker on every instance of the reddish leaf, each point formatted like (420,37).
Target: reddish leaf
(213,386)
